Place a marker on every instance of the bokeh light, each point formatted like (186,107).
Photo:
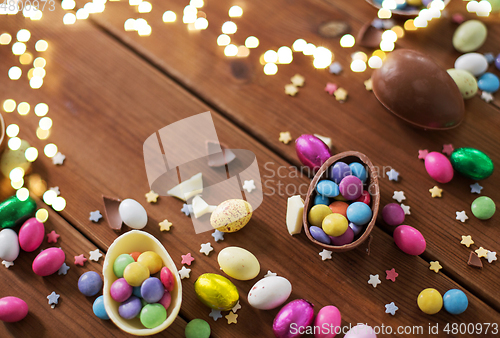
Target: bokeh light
(50,150)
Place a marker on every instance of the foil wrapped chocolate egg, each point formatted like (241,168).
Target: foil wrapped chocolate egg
(413,87)
(216,291)
(311,151)
(472,163)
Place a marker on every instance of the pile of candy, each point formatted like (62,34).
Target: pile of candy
(339,221)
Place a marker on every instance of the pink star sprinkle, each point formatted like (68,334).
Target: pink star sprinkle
(187,259)
(331,88)
(422,154)
(391,274)
(80,260)
(448,149)
(52,237)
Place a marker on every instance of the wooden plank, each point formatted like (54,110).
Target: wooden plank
(96,125)
(257,103)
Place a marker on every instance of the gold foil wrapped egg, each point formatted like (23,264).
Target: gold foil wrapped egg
(216,291)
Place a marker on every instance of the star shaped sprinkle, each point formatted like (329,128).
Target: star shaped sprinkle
(377,23)
(422,154)
(374,280)
(63,270)
(325,254)
(475,188)
(391,274)
(218,235)
(184,272)
(369,84)
(461,216)
(270,274)
(165,225)
(399,196)
(435,266)
(340,94)
(186,210)
(56,189)
(95,216)
(291,90)
(482,252)
(95,255)
(58,159)
(151,197)
(467,241)
(491,256)
(489,57)
(448,149)
(236,307)
(393,175)
(249,185)
(80,260)
(298,80)
(488,97)
(52,237)
(391,308)
(331,88)
(285,137)
(7,264)
(206,248)
(187,259)
(406,209)
(335,68)
(231,318)
(215,314)
(435,191)
(53,299)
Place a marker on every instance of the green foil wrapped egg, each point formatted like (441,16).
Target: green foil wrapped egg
(13,210)
(216,291)
(472,163)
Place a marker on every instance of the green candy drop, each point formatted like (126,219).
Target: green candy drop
(153,315)
(13,211)
(121,263)
(472,163)
(197,328)
(483,207)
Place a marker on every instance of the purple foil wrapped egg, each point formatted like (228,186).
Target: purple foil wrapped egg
(311,151)
(296,314)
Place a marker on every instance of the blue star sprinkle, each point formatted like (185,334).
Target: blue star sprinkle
(63,269)
(215,314)
(393,175)
(335,68)
(377,23)
(186,210)
(391,308)
(489,57)
(95,216)
(53,299)
(475,188)
(218,235)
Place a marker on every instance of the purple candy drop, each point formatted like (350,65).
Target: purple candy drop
(393,214)
(351,187)
(338,171)
(130,308)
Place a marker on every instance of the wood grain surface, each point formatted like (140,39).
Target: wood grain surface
(108,90)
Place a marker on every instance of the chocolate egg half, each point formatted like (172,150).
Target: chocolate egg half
(413,87)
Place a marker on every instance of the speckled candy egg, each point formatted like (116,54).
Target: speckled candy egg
(216,291)
(438,167)
(9,245)
(231,215)
(469,36)
(31,235)
(133,213)
(269,293)
(328,320)
(409,240)
(466,82)
(12,309)
(48,261)
(238,263)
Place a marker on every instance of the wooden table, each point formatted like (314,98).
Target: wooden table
(108,89)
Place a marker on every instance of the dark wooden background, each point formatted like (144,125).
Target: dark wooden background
(109,89)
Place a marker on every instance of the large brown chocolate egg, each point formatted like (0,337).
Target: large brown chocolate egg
(413,87)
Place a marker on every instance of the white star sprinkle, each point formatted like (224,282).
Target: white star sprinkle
(374,280)
(461,216)
(184,272)
(56,189)
(236,307)
(391,308)
(7,264)
(218,235)
(488,97)
(393,175)
(58,159)
(325,254)
(249,186)
(270,274)
(406,209)
(206,248)
(399,196)
(215,314)
(95,255)
(491,256)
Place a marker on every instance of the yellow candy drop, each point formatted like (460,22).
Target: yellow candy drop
(151,260)
(335,225)
(135,273)
(430,301)
(317,214)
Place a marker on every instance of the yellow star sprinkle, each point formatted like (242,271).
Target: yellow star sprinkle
(467,241)
(231,318)
(368,84)
(435,192)
(165,225)
(285,137)
(291,90)
(482,252)
(298,80)
(435,266)
(152,197)
(340,94)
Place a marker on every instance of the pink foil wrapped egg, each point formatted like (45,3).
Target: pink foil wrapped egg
(439,167)
(328,321)
(293,318)
(31,235)
(12,309)
(48,261)
(409,240)
(311,151)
